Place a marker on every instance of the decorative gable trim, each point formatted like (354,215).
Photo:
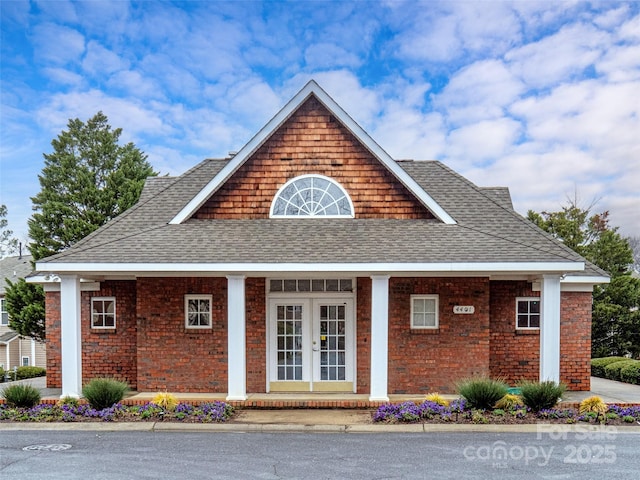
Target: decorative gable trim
(311,88)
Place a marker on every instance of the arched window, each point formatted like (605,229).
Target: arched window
(311,196)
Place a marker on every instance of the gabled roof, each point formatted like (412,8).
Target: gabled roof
(311,89)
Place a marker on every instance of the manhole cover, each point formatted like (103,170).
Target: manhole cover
(54,447)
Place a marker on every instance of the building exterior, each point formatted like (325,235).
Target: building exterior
(311,261)
(16,351)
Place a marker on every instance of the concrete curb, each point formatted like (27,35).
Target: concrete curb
(543,428)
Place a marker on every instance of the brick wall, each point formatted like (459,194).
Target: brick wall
(52,325)
(170,356)
(422,361)
(111,353)
(575,340)
(312,142)
(363,334)
(515,355)
(256,335)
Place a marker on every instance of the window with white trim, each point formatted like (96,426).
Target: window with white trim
(25,361)
(528,313)
(4,318)
(197,311)
(424,311)
(103,313)
(312,196)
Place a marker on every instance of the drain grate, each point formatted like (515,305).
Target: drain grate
(52,447)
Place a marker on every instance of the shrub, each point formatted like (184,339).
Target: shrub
(508,402)
(21,396)
(482,392)
(541,395)
(598,365)
(612,371)
(103,393)
(166,401)
(24,373)
(593,404)
(630,372)
(70,401)
(437,398)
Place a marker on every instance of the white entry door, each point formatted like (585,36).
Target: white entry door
(311,344)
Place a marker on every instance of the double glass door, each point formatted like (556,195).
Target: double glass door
(311,344)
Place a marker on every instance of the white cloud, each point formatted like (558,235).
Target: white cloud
(132,117)
(63,76)
(102,61)
(329,55)
(554,58)
(134,84)
(482,141)
(480,91)
(621,63)
(58,44)
(630,30)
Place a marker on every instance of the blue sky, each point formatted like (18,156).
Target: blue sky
(542,97)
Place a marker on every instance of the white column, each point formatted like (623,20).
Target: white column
(236,337)
(71,338)
(550,329)
(379,337)
(33,353)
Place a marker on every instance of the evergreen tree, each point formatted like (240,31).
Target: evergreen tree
(88,180)
(615,314)
(25,305)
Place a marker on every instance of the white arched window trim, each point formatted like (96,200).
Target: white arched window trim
(324,194)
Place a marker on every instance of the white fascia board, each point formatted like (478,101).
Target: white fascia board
(365,268)
(594,280)
(311,88)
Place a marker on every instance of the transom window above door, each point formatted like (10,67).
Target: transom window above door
(311,285)
(312,196)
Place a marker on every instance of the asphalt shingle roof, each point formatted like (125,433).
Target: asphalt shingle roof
(14,268)
(487,230)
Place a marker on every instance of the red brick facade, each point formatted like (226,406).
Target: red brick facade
(153,350)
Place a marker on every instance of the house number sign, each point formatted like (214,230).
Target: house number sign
(468,309)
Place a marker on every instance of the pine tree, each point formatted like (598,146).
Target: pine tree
(87,180)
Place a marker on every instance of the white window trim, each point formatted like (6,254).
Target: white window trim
(115,314)
(22,361)
(527,299)
(3,306)
(437,312)
(186,311)
(300,177)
